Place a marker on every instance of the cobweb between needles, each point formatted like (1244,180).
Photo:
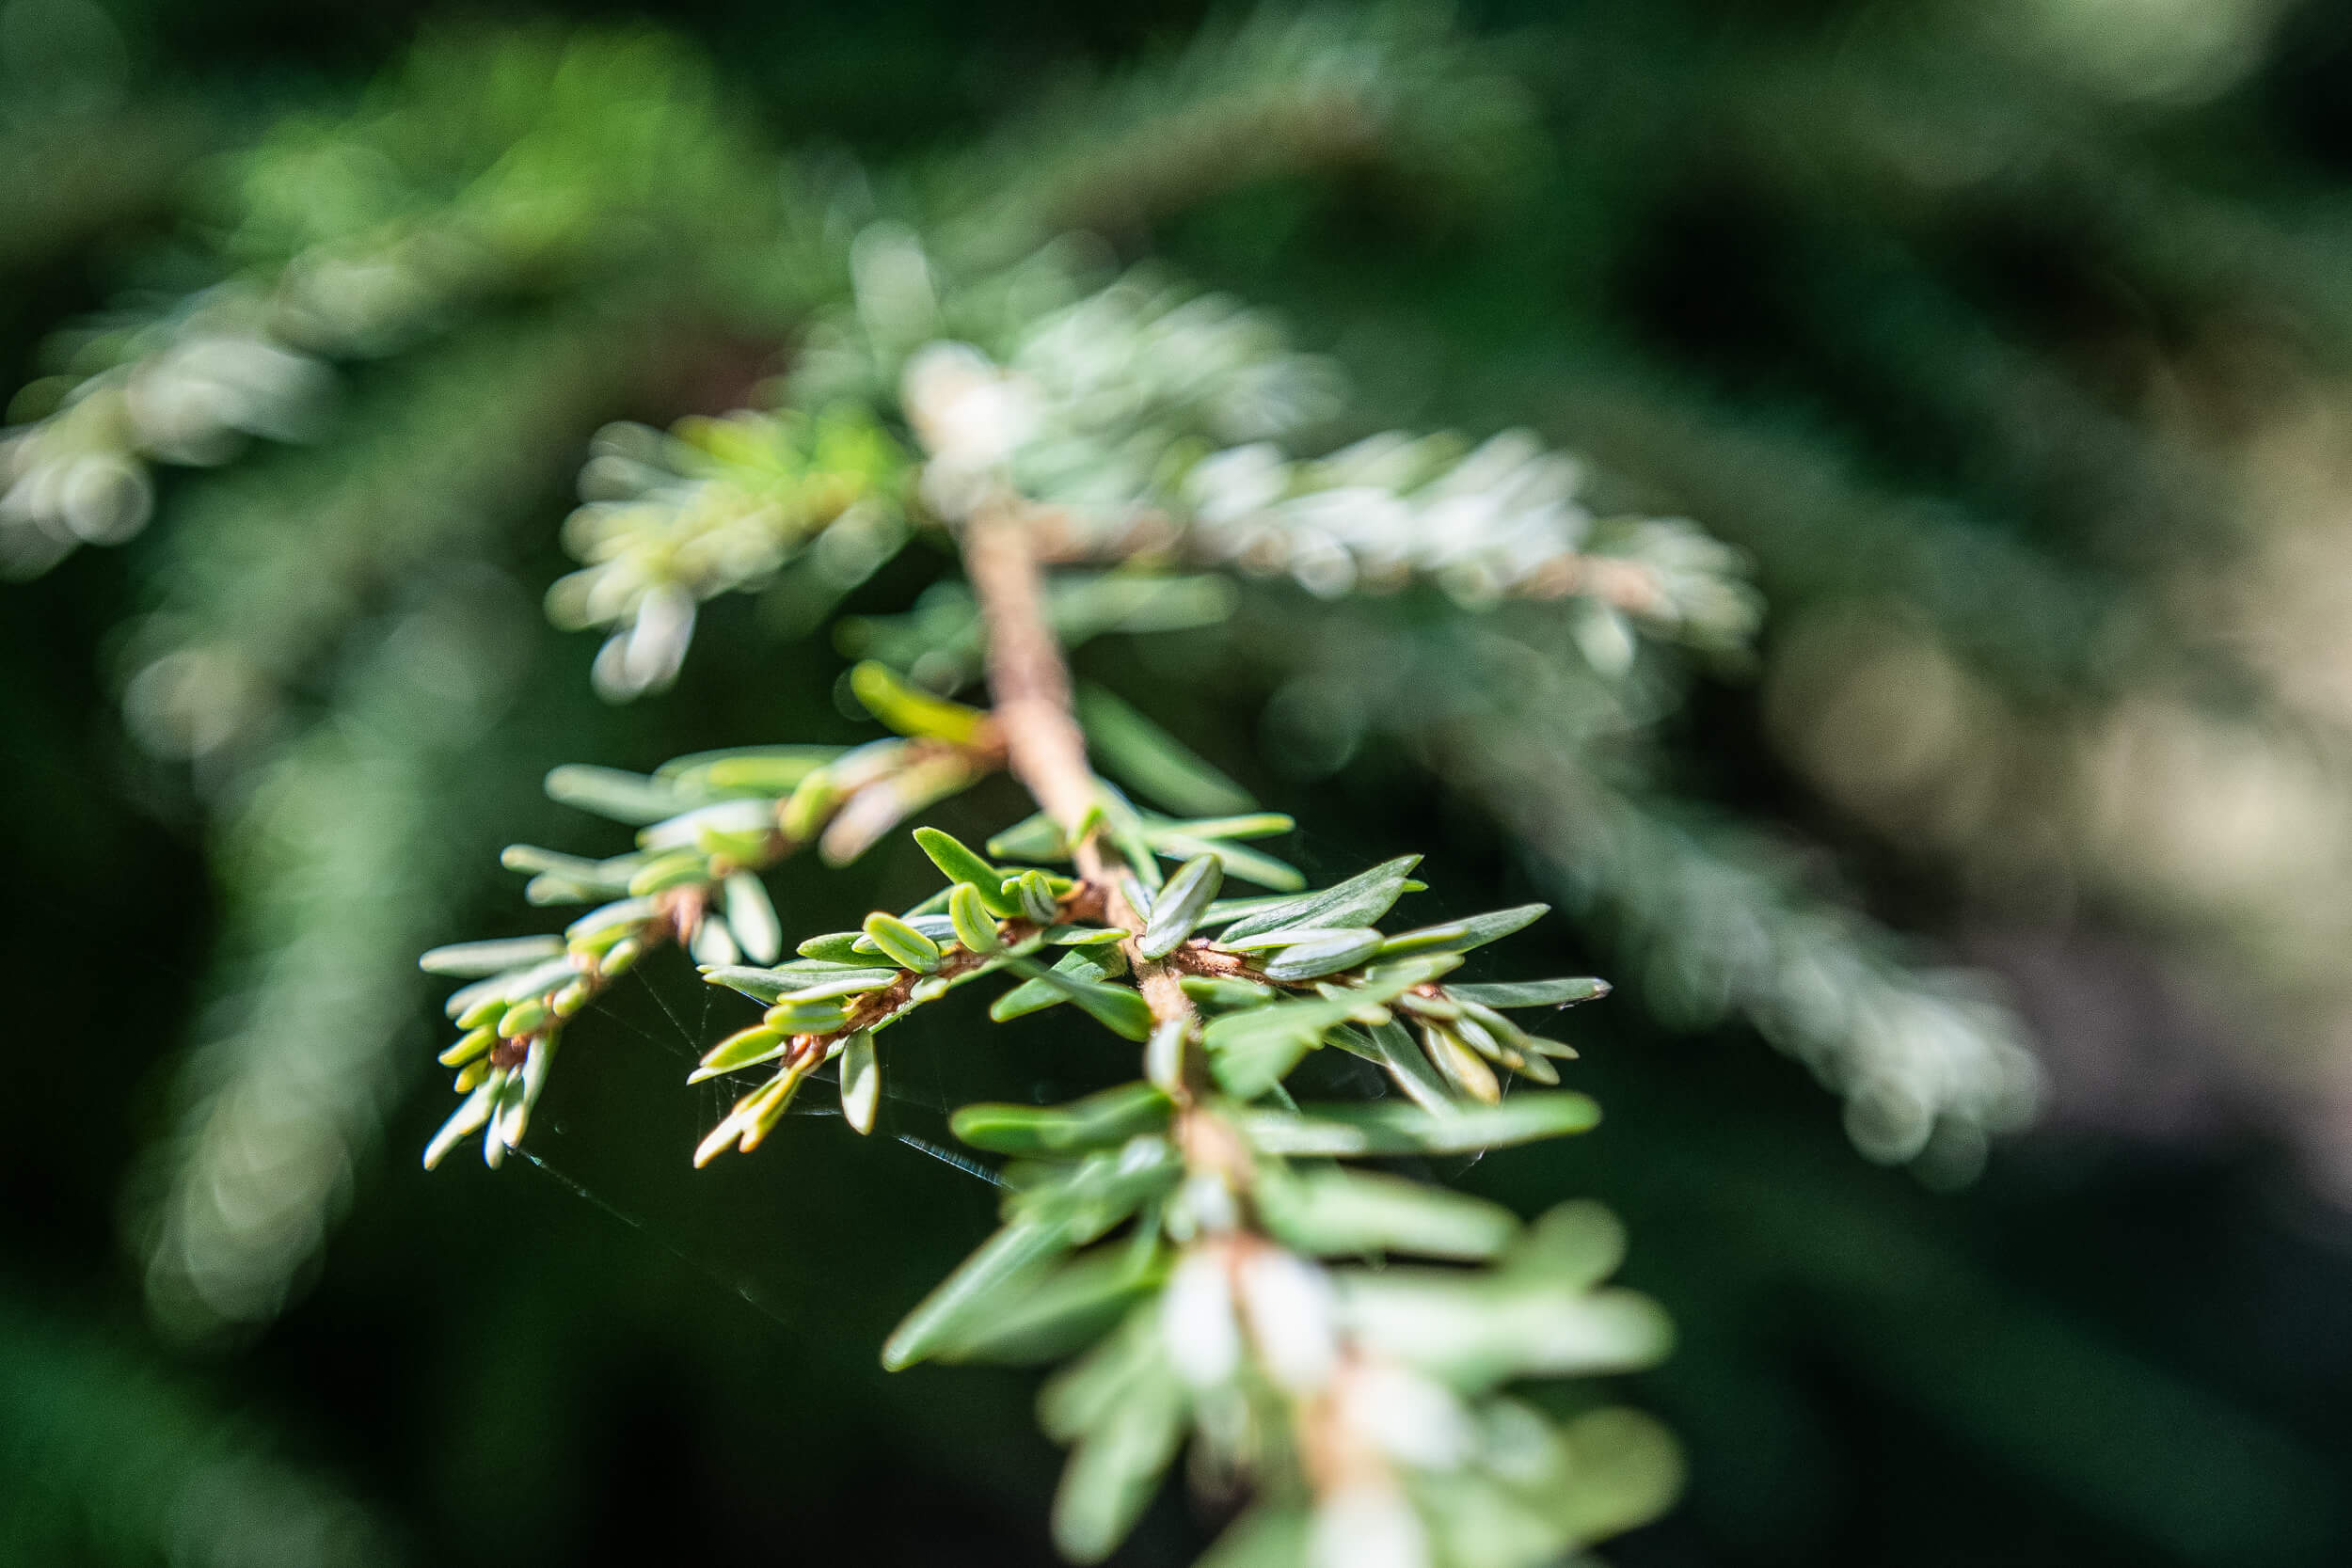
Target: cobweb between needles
(623,1151)
(630,1164)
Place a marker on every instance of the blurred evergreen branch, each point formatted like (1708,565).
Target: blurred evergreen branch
(1131,401)
(72,182)
(266,573)
(1929,1064)
(113,1459)
(283,1103)
(514,238)
(270,577)
(1274,91)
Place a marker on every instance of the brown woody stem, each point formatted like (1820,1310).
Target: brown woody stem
(1028,684)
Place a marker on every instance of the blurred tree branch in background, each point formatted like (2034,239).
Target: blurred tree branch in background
(1998,352)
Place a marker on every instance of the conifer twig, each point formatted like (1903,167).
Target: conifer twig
(1029,690)
(1045,749)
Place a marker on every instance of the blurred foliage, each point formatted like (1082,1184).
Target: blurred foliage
(2004,340)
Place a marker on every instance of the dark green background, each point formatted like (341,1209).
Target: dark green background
(2113,1349)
